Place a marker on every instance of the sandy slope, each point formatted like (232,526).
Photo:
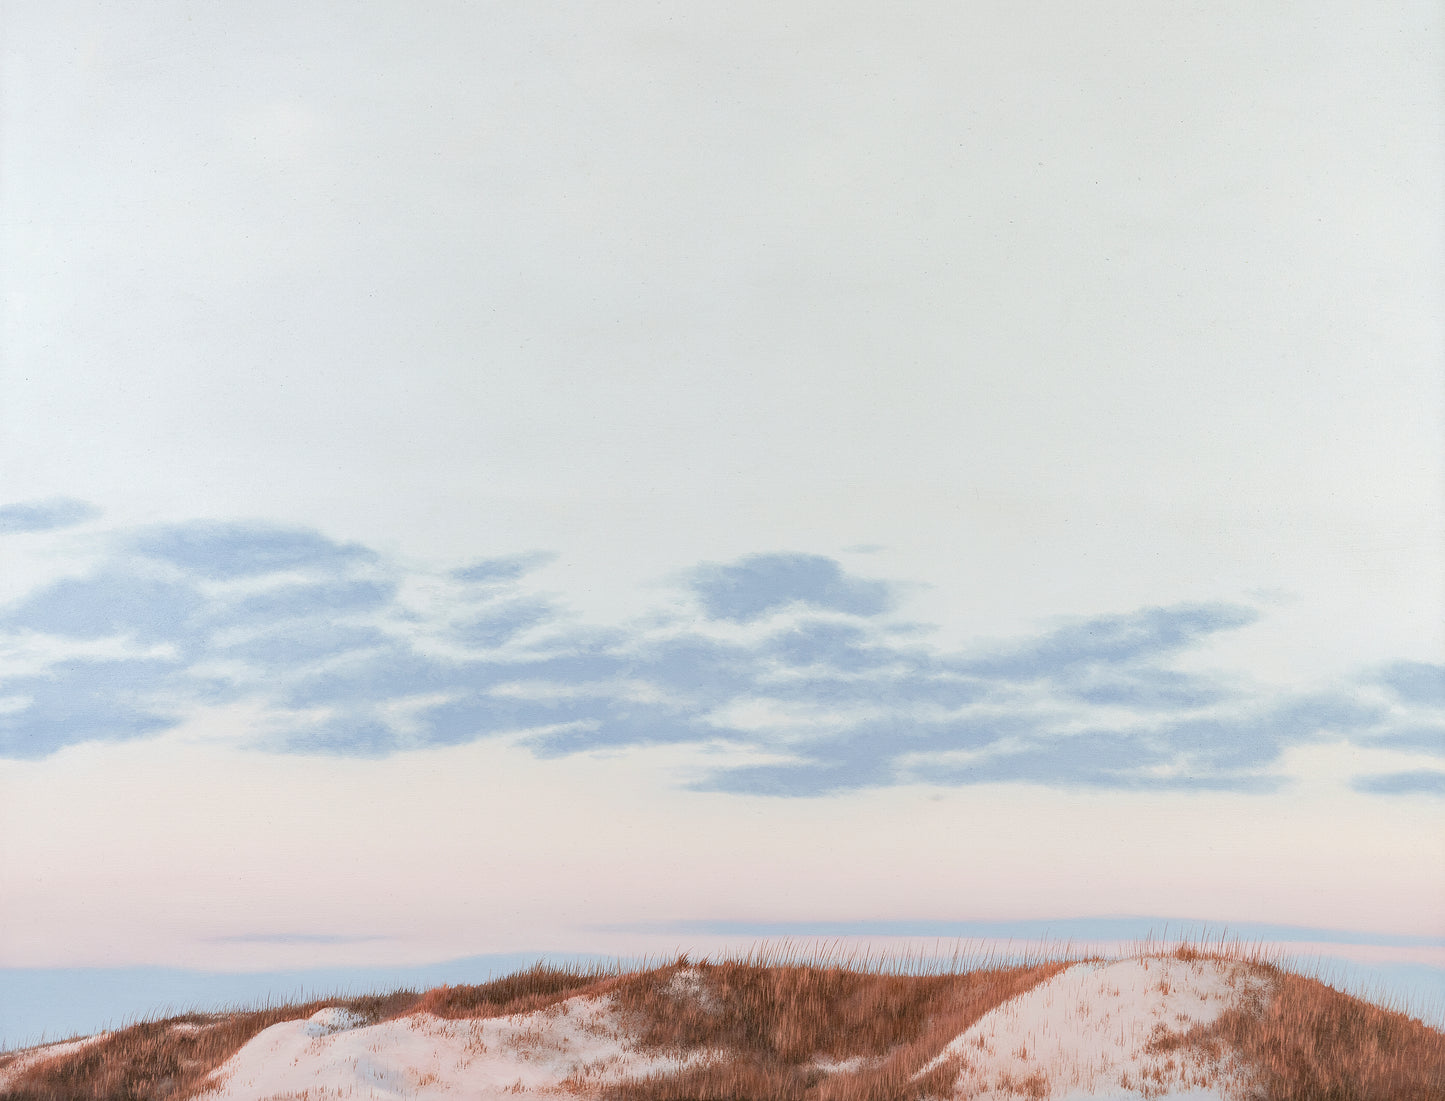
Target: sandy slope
(573,1045)
(28,1058)
(1085,1033)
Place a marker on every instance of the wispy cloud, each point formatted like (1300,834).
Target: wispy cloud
(1115,642)
(231,550)
(498,570)
(1416,682)
(762,583)
(1417,782)
(115,602)
(48,515)
(786,656)
(1085,929)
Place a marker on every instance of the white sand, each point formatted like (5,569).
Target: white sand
(570,1047)
(1084,1034)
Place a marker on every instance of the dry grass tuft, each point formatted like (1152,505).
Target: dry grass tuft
(1304,1041)
(150,1060)
(774,1030)
(525,992)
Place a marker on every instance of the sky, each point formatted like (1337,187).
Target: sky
(484,478)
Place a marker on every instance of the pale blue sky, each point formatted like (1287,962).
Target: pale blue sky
(634,451)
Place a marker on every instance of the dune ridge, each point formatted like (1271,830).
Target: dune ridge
(1190,1022)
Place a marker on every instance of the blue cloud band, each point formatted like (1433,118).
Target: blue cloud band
(840,697)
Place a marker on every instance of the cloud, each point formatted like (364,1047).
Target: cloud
(297,645)
(497,626)
(325,598)
(1417,682)
(1429,738)
(1149,688)
(796,665)
(1114,759)
(496,570)
(1418,782)
(85,700)
(1115,641)
(1021,748)
(49,515)
(232,550)
(1134,928)
(762,583)
(110,603)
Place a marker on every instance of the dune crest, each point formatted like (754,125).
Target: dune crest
(1096,1030)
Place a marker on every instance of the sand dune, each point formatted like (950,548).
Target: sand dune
(1085,1033)
(1179,1025)
(1089,1032)
(573,1046)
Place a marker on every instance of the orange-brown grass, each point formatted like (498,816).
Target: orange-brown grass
(525,992)
(1305,1041)
(154,1059)
(767,1016)
(770,1026)
(774,1025)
